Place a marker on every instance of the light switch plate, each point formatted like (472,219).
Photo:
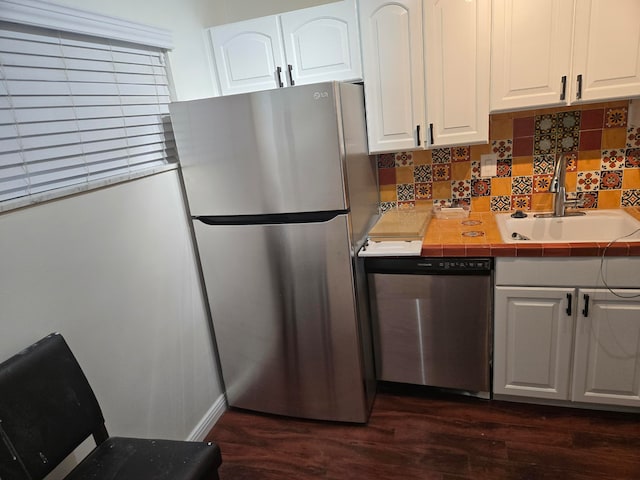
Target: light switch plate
(488,165)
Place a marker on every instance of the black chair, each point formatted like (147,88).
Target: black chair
(47,408)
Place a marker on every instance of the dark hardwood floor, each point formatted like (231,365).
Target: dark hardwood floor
(417,433)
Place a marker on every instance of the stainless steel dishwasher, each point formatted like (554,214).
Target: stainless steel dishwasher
(432,321)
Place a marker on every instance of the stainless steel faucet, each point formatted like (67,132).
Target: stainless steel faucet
(560,202)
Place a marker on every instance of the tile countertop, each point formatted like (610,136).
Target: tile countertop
(478,236)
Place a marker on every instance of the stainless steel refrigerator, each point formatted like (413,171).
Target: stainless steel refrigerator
(282,194)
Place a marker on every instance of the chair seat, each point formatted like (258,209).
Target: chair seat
(120,458)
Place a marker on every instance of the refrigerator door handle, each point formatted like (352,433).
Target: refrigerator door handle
(271,219)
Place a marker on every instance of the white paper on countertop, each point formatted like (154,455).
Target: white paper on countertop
(391,248)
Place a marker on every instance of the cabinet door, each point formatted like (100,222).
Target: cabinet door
(248,54)
(607,351)
(606,49)
(394,73)
(530,52)
(322,43)
(457,69)
(533,341)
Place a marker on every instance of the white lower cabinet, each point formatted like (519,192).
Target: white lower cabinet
(560,343)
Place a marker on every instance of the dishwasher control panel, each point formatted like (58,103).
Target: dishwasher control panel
(430,265)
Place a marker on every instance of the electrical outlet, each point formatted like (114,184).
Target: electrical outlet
(488,165)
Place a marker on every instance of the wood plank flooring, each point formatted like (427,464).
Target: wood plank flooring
(419,433)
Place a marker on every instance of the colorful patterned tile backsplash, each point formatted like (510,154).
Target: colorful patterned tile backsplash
(602,153)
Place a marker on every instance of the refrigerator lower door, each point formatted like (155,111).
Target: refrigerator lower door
(283,306)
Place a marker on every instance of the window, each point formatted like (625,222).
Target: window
(78,111)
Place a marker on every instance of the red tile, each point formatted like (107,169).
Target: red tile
(478,250)
(506,250)
(432,250)
(524,127)
(592,119)
(617,249)
(387,176)
(556,250)
(586,249)
(590,139)
(634,248)
(529,250)
(522,146)
(453,250)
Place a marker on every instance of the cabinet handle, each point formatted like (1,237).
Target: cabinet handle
(579,92)
(563,95)
(431,133)
(585,311)
(418,133)
(290,68)
(279,75)
(569,297)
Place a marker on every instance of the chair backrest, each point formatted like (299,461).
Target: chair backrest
(47,408)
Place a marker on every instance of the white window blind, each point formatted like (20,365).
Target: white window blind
(78,110)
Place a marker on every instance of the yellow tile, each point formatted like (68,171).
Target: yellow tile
(609,198)
(426,205)
(481,204)
(460,170)
(404,175)
(542,202)
(500,186)
(589,160)
(388,193)
(614,138)
(442,189)
(422,157)
(500,127)
(571,181)
(522,166)
(481,149)
(631,178)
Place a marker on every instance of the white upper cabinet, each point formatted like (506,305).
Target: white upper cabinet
(393,66)
(530,52)
(323,43)
(532,63)
(457,50)
(304,46)
(606,50)
(248,55)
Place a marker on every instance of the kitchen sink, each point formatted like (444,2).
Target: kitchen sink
(594,226)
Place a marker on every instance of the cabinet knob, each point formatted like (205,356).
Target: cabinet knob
(418,133)
(569,298)
(585,310)
(563,95)
(579,92)
(279,77)
(290,68)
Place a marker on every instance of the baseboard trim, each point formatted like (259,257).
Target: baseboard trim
(209,420)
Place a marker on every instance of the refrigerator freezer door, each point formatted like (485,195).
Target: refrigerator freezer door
(284,313)
(273,151)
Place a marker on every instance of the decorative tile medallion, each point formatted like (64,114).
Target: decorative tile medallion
(386,160)
(615,117)
(590,200)
(633,137)
(572,161)
(405,192)
(521,185)
(610,179)
(422,174)
(612,159)
(480,187)
(521,202)
(460,154)
(386,206)
(461,189)
(541,183)
(503,167)
(441,155)
(544,144)
(502,148)
(543,164)
(545,124)
(631,198)
(404,159)
(423,191)
(471,223)
(632,159)
(441,171)
(568,121)
(501,203)
(473,233)
(588,181)
(406,205)
(475,169)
